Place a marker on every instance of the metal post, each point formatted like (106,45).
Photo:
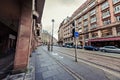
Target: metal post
(75,39)
(52,34)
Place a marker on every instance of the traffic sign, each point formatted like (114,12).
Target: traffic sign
(76,34)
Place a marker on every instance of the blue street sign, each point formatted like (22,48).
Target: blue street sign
(76,34)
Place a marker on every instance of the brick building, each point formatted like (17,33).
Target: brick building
(20,28)
(97,22)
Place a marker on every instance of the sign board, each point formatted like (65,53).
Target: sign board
(76,34)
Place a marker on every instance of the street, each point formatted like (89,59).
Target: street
(60,62)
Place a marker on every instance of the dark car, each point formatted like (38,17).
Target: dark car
(91,48)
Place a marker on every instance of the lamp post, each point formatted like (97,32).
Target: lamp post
(52,34)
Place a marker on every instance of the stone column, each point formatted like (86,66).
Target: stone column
(114,31)
(99,34)
(24,37)
(111,11)
(99,16)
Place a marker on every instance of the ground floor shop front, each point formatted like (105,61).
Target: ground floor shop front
(100,42)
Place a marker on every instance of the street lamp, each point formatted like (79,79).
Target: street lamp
(52,33)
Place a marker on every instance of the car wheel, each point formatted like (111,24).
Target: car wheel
(103,51)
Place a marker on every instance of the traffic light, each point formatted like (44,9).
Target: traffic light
(73,32)
(73,24)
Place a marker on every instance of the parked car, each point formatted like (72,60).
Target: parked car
(78,47)
(91,48)
(63,45)
(69,46)
(112,49)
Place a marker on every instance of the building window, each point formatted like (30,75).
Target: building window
(106,22)
(85,16)
(106,14)
(92,12)
(92,4)
(105,5)
(93,26)
(118,18)
(85,23)
(115,1)
(80,20)
(117,9)
(118,30)
(86,29)
(93,19)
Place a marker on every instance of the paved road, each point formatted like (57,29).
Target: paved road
(92,56)
(84,70)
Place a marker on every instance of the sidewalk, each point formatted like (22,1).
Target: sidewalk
(47,69)
(42,67)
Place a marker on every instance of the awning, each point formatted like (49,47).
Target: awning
(105,39)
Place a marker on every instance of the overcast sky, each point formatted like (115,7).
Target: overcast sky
(58,10)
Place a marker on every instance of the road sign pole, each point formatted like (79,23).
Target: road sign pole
(75,49)
(75,39)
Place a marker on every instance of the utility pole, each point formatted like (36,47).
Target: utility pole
(52,33)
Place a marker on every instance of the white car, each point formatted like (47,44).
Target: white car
(112,49)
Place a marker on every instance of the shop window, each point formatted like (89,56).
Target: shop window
(94,35)
(107,33)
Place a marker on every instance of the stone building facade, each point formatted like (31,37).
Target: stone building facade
(20,28)
(98,23)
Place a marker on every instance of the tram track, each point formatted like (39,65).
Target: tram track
(103,67)
(70,71)
(91,52)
